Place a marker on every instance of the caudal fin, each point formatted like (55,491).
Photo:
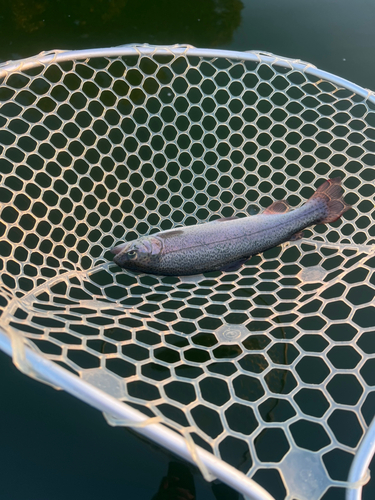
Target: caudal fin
(331,193)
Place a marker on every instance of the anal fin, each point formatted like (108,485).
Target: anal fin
(297,236)
(234,266)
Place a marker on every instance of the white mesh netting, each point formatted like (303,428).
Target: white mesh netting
(272,367)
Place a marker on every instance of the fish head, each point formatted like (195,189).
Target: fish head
(137,254)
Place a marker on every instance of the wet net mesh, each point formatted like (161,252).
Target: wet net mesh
(271,367)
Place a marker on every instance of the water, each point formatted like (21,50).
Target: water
(63,447)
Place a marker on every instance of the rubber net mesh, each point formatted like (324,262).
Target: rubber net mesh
(272,367)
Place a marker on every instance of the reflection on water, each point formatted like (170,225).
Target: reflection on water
(178,484)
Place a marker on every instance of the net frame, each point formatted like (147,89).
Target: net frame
(95,396)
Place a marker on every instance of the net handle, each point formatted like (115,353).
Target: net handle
(359,473)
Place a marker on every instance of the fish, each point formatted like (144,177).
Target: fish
(225,244)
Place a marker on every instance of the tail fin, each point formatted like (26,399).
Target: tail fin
(331,193)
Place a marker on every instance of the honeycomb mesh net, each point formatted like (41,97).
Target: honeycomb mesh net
(270,368)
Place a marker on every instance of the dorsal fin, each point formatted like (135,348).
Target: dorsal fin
(223,219)
(277,207)
(169,233)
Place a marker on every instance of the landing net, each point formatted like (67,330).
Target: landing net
(270,369)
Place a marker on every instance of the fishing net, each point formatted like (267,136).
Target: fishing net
(271,368)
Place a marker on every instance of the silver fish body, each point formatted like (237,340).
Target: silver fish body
(225,244)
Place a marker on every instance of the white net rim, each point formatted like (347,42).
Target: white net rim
(58,56)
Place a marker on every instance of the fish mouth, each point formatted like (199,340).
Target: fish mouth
(121,259)
(119,248)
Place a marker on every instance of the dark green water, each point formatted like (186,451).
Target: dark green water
(54,446)
(335,36)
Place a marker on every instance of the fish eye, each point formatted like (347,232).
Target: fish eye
(132,254)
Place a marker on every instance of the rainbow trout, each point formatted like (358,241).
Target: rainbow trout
(226,244)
